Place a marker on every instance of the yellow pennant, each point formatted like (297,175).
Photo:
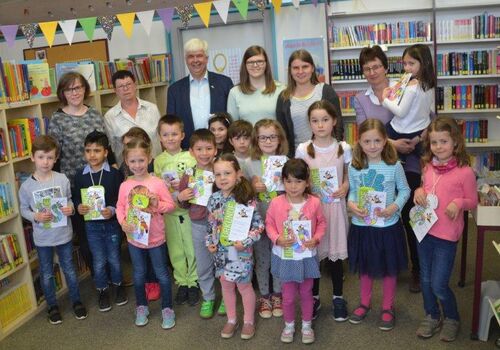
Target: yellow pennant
(49,31)
(277,5)
(127,22)
(203,10)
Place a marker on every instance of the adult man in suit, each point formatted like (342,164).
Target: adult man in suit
(199,94)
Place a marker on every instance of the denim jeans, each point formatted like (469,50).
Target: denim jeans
(104,243)
(436,265)
(46,260)
(158,256)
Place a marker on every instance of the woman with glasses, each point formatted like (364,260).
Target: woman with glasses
(254,98)
(303,89)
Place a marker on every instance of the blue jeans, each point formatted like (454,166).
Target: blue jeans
(436,264)
(46,260)
(104,243)
(158,256)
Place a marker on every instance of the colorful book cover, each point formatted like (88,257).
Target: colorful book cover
(373,202)
(201,182)
(51,200)
(325,183)
(300,231)
(397,91)
(93,196)
(39,80)
(141,220)
(237,221)
(271,175)
(84,68)
(421,220)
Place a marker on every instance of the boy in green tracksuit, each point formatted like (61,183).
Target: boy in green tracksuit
(170,165)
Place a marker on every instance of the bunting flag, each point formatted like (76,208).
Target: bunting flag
(166,15)
(127,22)
(296,3)
(68,27)
(203,9)
(107,24)
(242,6)
(49,31)
(9,33)
(222,7)
(146,19)
(315,3)
(29,31)
(260,4)
(185,13)
(277,5)
(88,26)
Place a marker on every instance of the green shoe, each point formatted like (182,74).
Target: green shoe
(221,311)
(207,309)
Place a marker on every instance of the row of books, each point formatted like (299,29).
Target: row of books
(484,26)
(474,130)
(484,162)
(10,252)
(349,68)
(22,132)
(467,97)
(346,99)
(28,239)
(14,305)
(468,63)
(6,199)
(351,133)
(380,33)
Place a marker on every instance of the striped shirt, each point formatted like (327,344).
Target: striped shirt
(298,112)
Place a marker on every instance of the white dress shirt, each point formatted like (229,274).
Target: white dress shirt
(199,96)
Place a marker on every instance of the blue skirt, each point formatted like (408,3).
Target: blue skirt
(294,270)
(377,251)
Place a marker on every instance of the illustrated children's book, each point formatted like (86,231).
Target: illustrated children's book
(51,200)
(301,231)
(201,182)
(421,220)
(325,183)
(271,174)
(237,221)
(398,90)
(138,199)
(373,202)
(94,198)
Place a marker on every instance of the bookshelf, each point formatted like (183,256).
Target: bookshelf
(18,296)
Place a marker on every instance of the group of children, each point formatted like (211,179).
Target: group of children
(196,221)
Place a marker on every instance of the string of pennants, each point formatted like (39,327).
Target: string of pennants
(126,20)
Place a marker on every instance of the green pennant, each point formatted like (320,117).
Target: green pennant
(242,6)
(88,26)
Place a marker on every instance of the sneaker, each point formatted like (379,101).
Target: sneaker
(307,335)
(221,311)
(193,296)
(182,295)
(387,323)
(228,330)
(359,314)
(339,310)
(168,317)
(450,330)
(248,331)
(265,307)
(104,304)
(276,302)
(287,334)
(152,291)
(121,295)
(141,315)
(316,307)
(80,311)
(207,309)
(54,315)
(414,285)
(428,327)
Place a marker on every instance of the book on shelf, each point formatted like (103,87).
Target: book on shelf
(351,133)
(22,132)
(6,199)
(346,99)
(480,62)
(452,97)
(483,26)
(39,79)
(485,164)
(14,81)
(80,265)
(14,304)
(85,68)
(349,68)
(3,147)
(28,238)
(474,130)
(10,252)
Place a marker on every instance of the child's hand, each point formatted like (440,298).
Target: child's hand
(258,185)
(341,192)
(212,248)
(353,207)
(388,211)
(186,195)
(83,209)
(285,242)
(68,210)
(239,246)
(387,91)
(175,184)
(107,213)
(452,211)
(311,244)
(153,202)
(420,197)
(128,228)
(43,216)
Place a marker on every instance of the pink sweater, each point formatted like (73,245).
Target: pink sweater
(458,186)
(277,214)
(165,204)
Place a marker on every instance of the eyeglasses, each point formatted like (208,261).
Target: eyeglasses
(372,68)
(264,138)
(258,63)
(124,86)
(75,89)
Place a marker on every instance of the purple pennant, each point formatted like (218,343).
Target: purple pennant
(315,3)
(9,33)
(166,15)
(107,24)
(29,31)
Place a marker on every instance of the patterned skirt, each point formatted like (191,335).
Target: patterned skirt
(294,270)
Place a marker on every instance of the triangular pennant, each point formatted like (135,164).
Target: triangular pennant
(68,27)
(146,19)
(277,5)
(242,6)
(185,13)
(260,4)
(9,33)
(203,9)
(49,30)
(88,26)
(296,3)
(166,15)
(107,24)
(222,7)
(29,31)
(127,22)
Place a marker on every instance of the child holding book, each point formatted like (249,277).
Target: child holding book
(45,200)
(234,256)
(170,166)
(194,190)
(144,198)
(95,194)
